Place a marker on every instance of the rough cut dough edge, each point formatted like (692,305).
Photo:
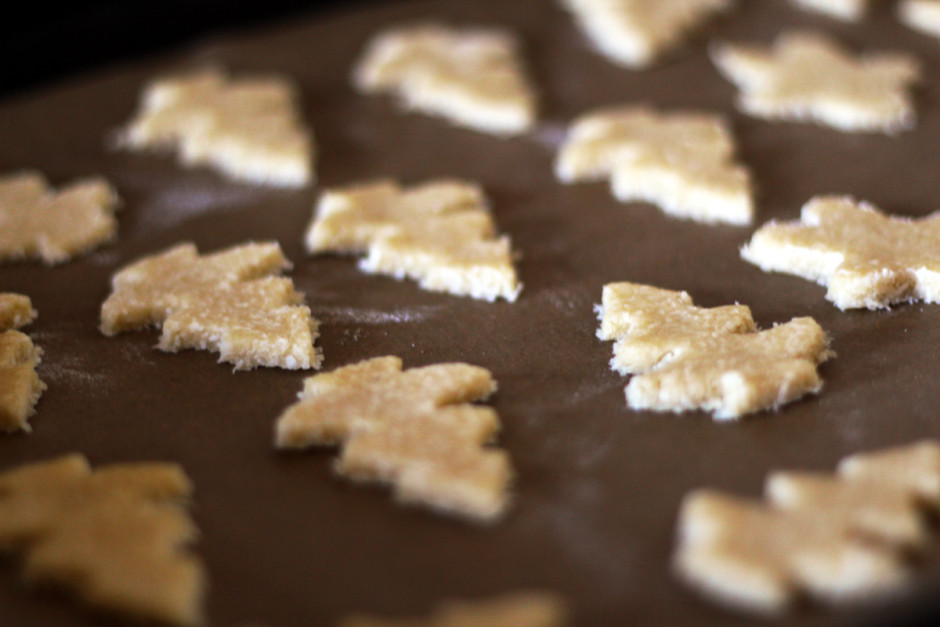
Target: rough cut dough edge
(434,507)
(715,408)
(716,414)
(767,264)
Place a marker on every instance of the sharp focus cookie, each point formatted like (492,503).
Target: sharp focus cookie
(684,357)
(414,429)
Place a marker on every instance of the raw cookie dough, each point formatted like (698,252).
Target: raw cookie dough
(39,222)
(472,77)
(682,162)
(868,259)
(838,537)
(228,301)
(115,536)
(519,609)
(414,429)
(809,77)
(634,33)
(685,357)
(440,233)
(247,128)
(20,387)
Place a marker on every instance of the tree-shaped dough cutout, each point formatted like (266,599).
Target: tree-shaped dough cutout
(473,76)
(20,386)
(248,128)
(685,357)
(440,233)
(226,301)
(866,258)
(682,162)
(414,429)
(54,226)
(634,33)
(115,536)
(808,77)
(838,538)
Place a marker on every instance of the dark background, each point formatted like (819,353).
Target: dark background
(44,44)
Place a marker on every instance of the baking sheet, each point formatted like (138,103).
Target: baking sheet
(288,543)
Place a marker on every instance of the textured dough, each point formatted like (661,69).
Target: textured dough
(247,128)
(634,33)
(868,259)
(20,386)
(685,357)
(414,429)
(16,310)
(115,536)
(440,233)
(519,609)
(228,301)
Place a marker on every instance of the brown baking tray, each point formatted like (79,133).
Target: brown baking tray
(286,542)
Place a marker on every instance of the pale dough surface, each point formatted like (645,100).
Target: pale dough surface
(921,15)
(684,357)
(683,162)
(440,233)
(20,386)
(807,76)
(230,301)
(415,429)
(846,10)
(866,258)
(474,77)
(249,128)
(634,33)
(39,222)
(839,537)
(115,536)
(518,609)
